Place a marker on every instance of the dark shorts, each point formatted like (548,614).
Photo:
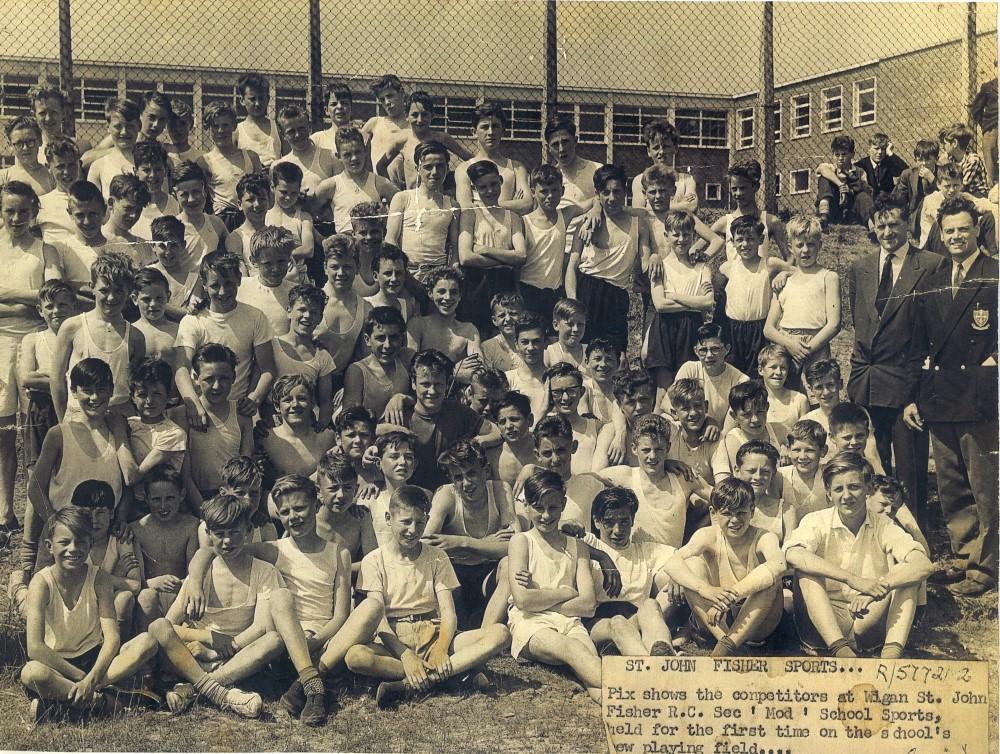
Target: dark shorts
(86,661)
(232,217)
(38,420)
(746,339)
(541,301)
(479,289)
(671,339)
(610,610)
(477,584)
(607,309)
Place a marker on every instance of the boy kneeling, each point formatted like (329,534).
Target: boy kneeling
(857,573)
(417,645)
(74,648)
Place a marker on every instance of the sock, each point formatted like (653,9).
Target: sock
(841,648)
(311,682)
(207,686)
(724,648)
(892,650)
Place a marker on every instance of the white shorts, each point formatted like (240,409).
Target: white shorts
(10,345)
(523,627)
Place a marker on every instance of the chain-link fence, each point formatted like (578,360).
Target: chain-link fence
(902,69)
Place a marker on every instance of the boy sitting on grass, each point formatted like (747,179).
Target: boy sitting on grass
(731,572)
(234,622)
(75,653)
(416,646)
(857,574)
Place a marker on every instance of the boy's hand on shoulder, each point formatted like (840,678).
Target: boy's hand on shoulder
(710,432)
(247,406)
(572,529)
(123,533)
(369,492)
(196,415)
(168,583)
(778,283)
(446,542)
(673,466)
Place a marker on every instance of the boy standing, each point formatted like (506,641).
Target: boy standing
(271,250)
(123,128)
(257,132)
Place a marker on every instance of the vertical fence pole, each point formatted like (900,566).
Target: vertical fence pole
(550,86)
(766,107)
(66,61)
(315,66)
(969,87)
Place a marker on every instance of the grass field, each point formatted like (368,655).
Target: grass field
(532,709)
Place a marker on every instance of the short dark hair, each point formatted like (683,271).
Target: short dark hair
(151,371)
(91,373)
(847,413)
(613,499)
(730,495)
(410,496)
(93,493)
(845,462)
(380,316)
(434,361)
(758,448)
(957,206)
(842,143)
(213,353)
(745,394)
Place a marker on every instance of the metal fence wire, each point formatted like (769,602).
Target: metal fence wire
(712,69)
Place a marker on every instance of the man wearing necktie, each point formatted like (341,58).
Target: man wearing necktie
(883,371)
(956,399)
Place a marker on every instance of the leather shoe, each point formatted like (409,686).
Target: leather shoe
(971,588)
(949,575)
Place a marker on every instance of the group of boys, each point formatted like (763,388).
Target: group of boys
(192,382)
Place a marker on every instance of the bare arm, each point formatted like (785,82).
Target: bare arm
(28,374)
(60,365)
(48,461)
(585,602)
(341,598)
(832,326)
(394,226)
(38,597)
(532,599)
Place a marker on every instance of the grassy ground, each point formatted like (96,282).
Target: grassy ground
(532,708)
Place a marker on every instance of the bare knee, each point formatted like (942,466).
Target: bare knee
(498,635)
(149,601)
(161,630)
(358,658)
(34,673)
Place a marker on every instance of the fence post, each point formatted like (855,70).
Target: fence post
(550,86)
(969,87)
(766,106)
(66,61)
(315,66)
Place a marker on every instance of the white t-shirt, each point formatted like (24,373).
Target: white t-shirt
(638,564)
(242,329)
(272,301)
(408,587)
(716,388)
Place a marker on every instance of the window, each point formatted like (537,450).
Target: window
(628,120)
(745,120)
(777,122)
(713,192)
(225,93)
(453,115)
(135,89)
(291,95)
(14,95)
(800,181)
(524,120)
(363,107)
(801,115)
(702,128)
(93,94)
(833,109)
(865,102)
(589,120)
(777,184)
(179,90)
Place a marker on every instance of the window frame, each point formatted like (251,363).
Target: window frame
(742,141)
(684,140)
(857,115)
(718,192)
(791,181)
(827,122)
(777,122)
(795,102)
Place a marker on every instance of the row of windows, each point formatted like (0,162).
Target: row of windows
(831,113)
(453,115)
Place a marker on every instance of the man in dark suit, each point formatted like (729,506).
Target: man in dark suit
(956,399)
(883,372)
(881,168)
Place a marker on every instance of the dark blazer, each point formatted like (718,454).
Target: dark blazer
(957,336)
(911,189)
(884,361)
(882,177)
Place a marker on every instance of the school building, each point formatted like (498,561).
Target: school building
(702,83)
